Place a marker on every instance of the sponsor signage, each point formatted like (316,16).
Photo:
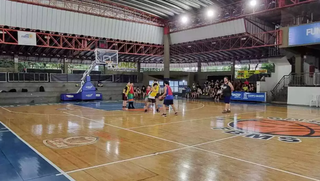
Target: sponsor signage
(89,95)
(244,74)
(27,38)
(304,34)
(289,130)
(247,96)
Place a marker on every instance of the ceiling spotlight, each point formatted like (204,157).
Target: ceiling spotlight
(210,13)
(253,3)
(184,19)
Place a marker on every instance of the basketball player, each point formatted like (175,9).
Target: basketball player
(156,94)
(125,92)
(227,91)
(168,99)
(146,99)
(131,97)
(152,97)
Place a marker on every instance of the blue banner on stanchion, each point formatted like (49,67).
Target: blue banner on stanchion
(247,96)
(304,34)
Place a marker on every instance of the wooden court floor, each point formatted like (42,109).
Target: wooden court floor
(256,142)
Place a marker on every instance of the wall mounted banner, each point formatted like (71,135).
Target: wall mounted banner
(27,38)
(245,74)
(304,34)
(247,96)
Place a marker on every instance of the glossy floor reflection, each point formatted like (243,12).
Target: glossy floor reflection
(19,162)
(98,142)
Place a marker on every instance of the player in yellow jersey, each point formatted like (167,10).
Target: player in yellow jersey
(157,90)
(125,93)
(154,95)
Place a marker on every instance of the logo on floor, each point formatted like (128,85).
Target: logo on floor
(61,143)
(287,130)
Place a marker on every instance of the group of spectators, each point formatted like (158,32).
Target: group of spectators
(140,93)
(214,89)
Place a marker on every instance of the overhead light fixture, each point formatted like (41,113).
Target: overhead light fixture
(184,19)
(210,13)
(253,3)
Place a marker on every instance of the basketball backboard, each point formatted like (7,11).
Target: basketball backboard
(106,56)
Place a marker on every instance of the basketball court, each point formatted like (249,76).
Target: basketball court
(77,76)
(99,141)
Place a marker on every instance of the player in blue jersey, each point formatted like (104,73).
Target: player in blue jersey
(168,99)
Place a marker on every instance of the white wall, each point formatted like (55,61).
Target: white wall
(212,31)
(49,19)
(301,95)
(310,61)
(282,67)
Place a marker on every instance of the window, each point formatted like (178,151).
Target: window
(176,86)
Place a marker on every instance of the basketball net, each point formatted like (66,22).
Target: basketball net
(102,57)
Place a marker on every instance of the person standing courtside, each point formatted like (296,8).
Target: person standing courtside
(168,99)
(143,90)
(227,91)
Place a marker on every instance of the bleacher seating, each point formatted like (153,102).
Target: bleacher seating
(52,92)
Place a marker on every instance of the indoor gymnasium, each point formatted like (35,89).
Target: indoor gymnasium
(159,90)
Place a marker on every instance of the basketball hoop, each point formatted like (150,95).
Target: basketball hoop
(106,57)
(102,57)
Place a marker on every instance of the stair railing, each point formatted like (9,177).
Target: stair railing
(283,83)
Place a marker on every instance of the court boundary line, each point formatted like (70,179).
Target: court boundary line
(149,155)
(288,113)
(126,129)
(5,109)
(41,155)
(143,113)
(219,154)
(175,122)
(258,164)
(78,106)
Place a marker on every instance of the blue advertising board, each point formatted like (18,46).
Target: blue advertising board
(304,34)
(247,96)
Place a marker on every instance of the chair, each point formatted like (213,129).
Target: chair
(315,101)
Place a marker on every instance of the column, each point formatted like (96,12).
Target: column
(298,78)
(139,75)
(298,64)
(16,63)
(166,58)
(65,66)
(233,69)
(138,67)
(199,66)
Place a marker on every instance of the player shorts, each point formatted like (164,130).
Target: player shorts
(152,100)
(168,102)
(124,97)
(227,99)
